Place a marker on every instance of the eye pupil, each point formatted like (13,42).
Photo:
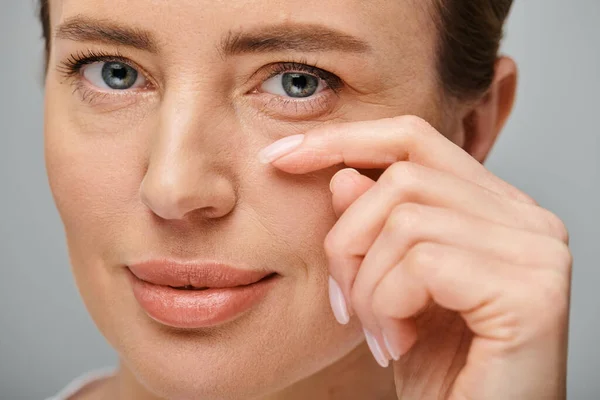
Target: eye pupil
(300,85)
(118,75)
(299,81)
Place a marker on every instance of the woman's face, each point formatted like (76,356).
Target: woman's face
(164,165)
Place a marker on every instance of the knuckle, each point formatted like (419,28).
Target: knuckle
(412,123)
(404,217)
(524,197)
(553,299)
(402,176)
(423,256)
(396,170)
(543,307)
(427,261)
(564,258)
(521,196)
(555,290)
(408,130)
(557,227)
(535,309)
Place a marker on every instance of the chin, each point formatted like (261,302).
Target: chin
(267,348)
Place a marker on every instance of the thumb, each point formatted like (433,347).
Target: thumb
(347,185)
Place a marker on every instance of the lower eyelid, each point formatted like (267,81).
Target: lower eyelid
(92,95)
(280,107)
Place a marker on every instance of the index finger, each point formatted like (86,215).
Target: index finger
(380,143)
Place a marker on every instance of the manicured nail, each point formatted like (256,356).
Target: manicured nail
(280,148)
(338,303)
(337,177)
(376,349)
(394,352)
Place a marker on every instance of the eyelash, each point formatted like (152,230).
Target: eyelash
(72,66)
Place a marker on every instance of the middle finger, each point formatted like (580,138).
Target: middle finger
(352,235)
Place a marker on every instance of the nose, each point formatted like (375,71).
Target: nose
(188,167)
(173,194)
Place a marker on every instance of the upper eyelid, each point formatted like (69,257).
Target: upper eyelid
(284,66)
(91,56)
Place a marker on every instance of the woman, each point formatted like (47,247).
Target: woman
(286,200)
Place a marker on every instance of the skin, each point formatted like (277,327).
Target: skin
(468,277)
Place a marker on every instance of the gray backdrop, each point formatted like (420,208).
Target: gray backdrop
(549,150)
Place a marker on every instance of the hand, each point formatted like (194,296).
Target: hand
(439,228)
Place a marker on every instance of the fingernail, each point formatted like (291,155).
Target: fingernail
(395,353)
(376,349)
(338,303)
(338,178)
(280,148)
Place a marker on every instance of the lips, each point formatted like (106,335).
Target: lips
(196,276)
(197,295)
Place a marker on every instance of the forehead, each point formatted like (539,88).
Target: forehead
(387,25)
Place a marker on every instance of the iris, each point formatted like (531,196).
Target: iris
(299,85)
(118,75)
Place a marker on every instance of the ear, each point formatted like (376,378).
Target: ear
(484,120)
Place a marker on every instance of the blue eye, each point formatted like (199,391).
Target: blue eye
(299,85)
(293,84)
(113,75)
(118,75)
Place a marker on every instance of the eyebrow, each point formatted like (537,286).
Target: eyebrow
(81,28)
(306,38)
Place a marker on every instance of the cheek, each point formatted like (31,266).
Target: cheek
(298,210)
(93,172)
(94,183)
